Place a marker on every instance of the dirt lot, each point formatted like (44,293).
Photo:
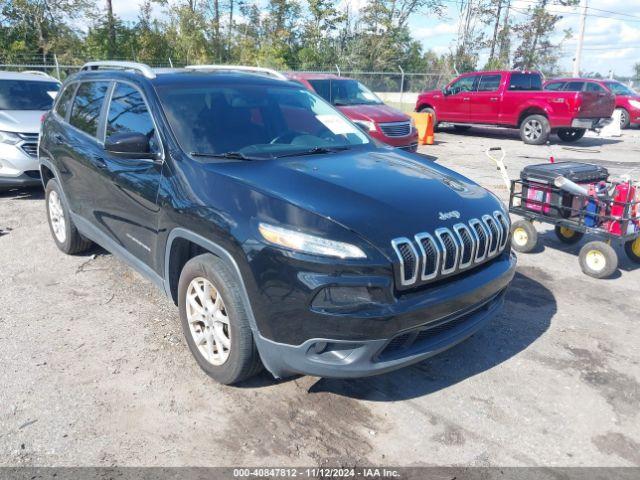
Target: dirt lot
(94,369)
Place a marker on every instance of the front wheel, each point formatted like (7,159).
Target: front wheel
(632,248)
(524,236)
(571,134)
(625,119)
(535,130)
(215,322)
(598,259)
(64,232)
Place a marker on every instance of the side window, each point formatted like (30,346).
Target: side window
(64,102)
(464,84)
(489,83)
(87,104)
(555,86)
(574,87)
(322,88)
(594,87)
(128,113)
(525,81)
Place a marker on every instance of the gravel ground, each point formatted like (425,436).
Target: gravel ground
(94,369)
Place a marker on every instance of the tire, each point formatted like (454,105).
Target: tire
(571,134)
(625,118)
(432,112)
(226,321)
(598,259)
(524,236)
(568,236)
(632,249)
(535,130)
(64,232)
(462,128)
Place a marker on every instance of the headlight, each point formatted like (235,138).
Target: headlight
(9,137)
(368,125)
(413,122)
(303,242)
(634,103)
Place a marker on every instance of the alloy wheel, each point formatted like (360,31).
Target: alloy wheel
(56,216)
(208,321)
(533,130)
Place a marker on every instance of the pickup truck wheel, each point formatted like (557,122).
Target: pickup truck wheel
(571,134)
(64,232)
(535,130)
(625,120)
(214,320)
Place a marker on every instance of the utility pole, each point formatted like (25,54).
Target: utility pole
(583,20)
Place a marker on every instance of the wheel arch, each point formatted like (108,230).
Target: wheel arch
(532,110)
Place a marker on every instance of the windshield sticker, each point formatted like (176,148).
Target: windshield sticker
(53,94)
(337,124)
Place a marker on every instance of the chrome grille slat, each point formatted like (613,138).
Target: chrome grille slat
(30,149)
(396,129)
(451,250)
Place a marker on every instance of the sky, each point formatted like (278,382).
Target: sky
(611,42)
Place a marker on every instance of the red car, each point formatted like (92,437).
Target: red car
(363,107)
(515,99)
(627,101)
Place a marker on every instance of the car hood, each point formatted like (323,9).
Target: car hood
(375,113)
(377,194)
(22,121)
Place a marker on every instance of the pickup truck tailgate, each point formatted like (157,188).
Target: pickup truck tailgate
(595,104)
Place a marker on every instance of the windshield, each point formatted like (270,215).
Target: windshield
(27,95)
(620,89)
(344,92)
(254,120)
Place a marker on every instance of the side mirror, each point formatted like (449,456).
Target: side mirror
(129,145)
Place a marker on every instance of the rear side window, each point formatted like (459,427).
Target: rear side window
(64,102)
(128,112)
(555,86)
(525,81)
(574,86)
(594,87)
(87,104)
(489,83)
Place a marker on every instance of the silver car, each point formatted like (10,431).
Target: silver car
(24,98)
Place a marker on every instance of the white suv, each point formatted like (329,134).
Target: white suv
(24,98)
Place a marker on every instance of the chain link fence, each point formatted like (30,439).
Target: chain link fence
(397,88)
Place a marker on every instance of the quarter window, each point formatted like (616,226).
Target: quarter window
(128,113)
(489,83)
(87,104)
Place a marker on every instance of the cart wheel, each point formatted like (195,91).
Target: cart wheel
(524,236)
(598,259)
(567,235)
(632,247)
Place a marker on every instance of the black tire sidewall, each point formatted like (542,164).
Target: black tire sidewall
(577,236)
(546,130)
(565,134)
(610,255)
(628,248)
(213,269)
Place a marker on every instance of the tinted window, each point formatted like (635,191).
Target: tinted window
(489,83)
(27,95)
(254,120)
(465,84)
(128,112)
(344,92)
(594,87)
(574,86)
(64,102)
(85,112)
(555,86)
(525,81)
(620,89)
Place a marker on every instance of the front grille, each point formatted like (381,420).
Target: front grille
(396,129)
(30,149)
(29,136)
(450,250)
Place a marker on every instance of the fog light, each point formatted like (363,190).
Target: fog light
(339,298)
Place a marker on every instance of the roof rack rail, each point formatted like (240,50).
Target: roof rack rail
(240,68)
(38,73)
(145,70)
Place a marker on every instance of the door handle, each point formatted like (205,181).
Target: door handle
(466,99)
(494,99)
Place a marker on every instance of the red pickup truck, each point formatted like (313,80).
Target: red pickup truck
(515,99)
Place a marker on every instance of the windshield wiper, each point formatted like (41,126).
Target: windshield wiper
(229,155)
(314,151)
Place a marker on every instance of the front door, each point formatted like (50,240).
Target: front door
(455,103)
(485,100)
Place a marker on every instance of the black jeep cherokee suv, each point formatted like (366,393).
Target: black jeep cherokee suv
(286,237)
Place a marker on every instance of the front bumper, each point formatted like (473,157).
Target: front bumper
(590,123)
(31,178)
(17,167)
(420,326)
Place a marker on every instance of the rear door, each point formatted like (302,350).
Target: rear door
(599,101)
(485,101)
(129,211)
(455,106)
